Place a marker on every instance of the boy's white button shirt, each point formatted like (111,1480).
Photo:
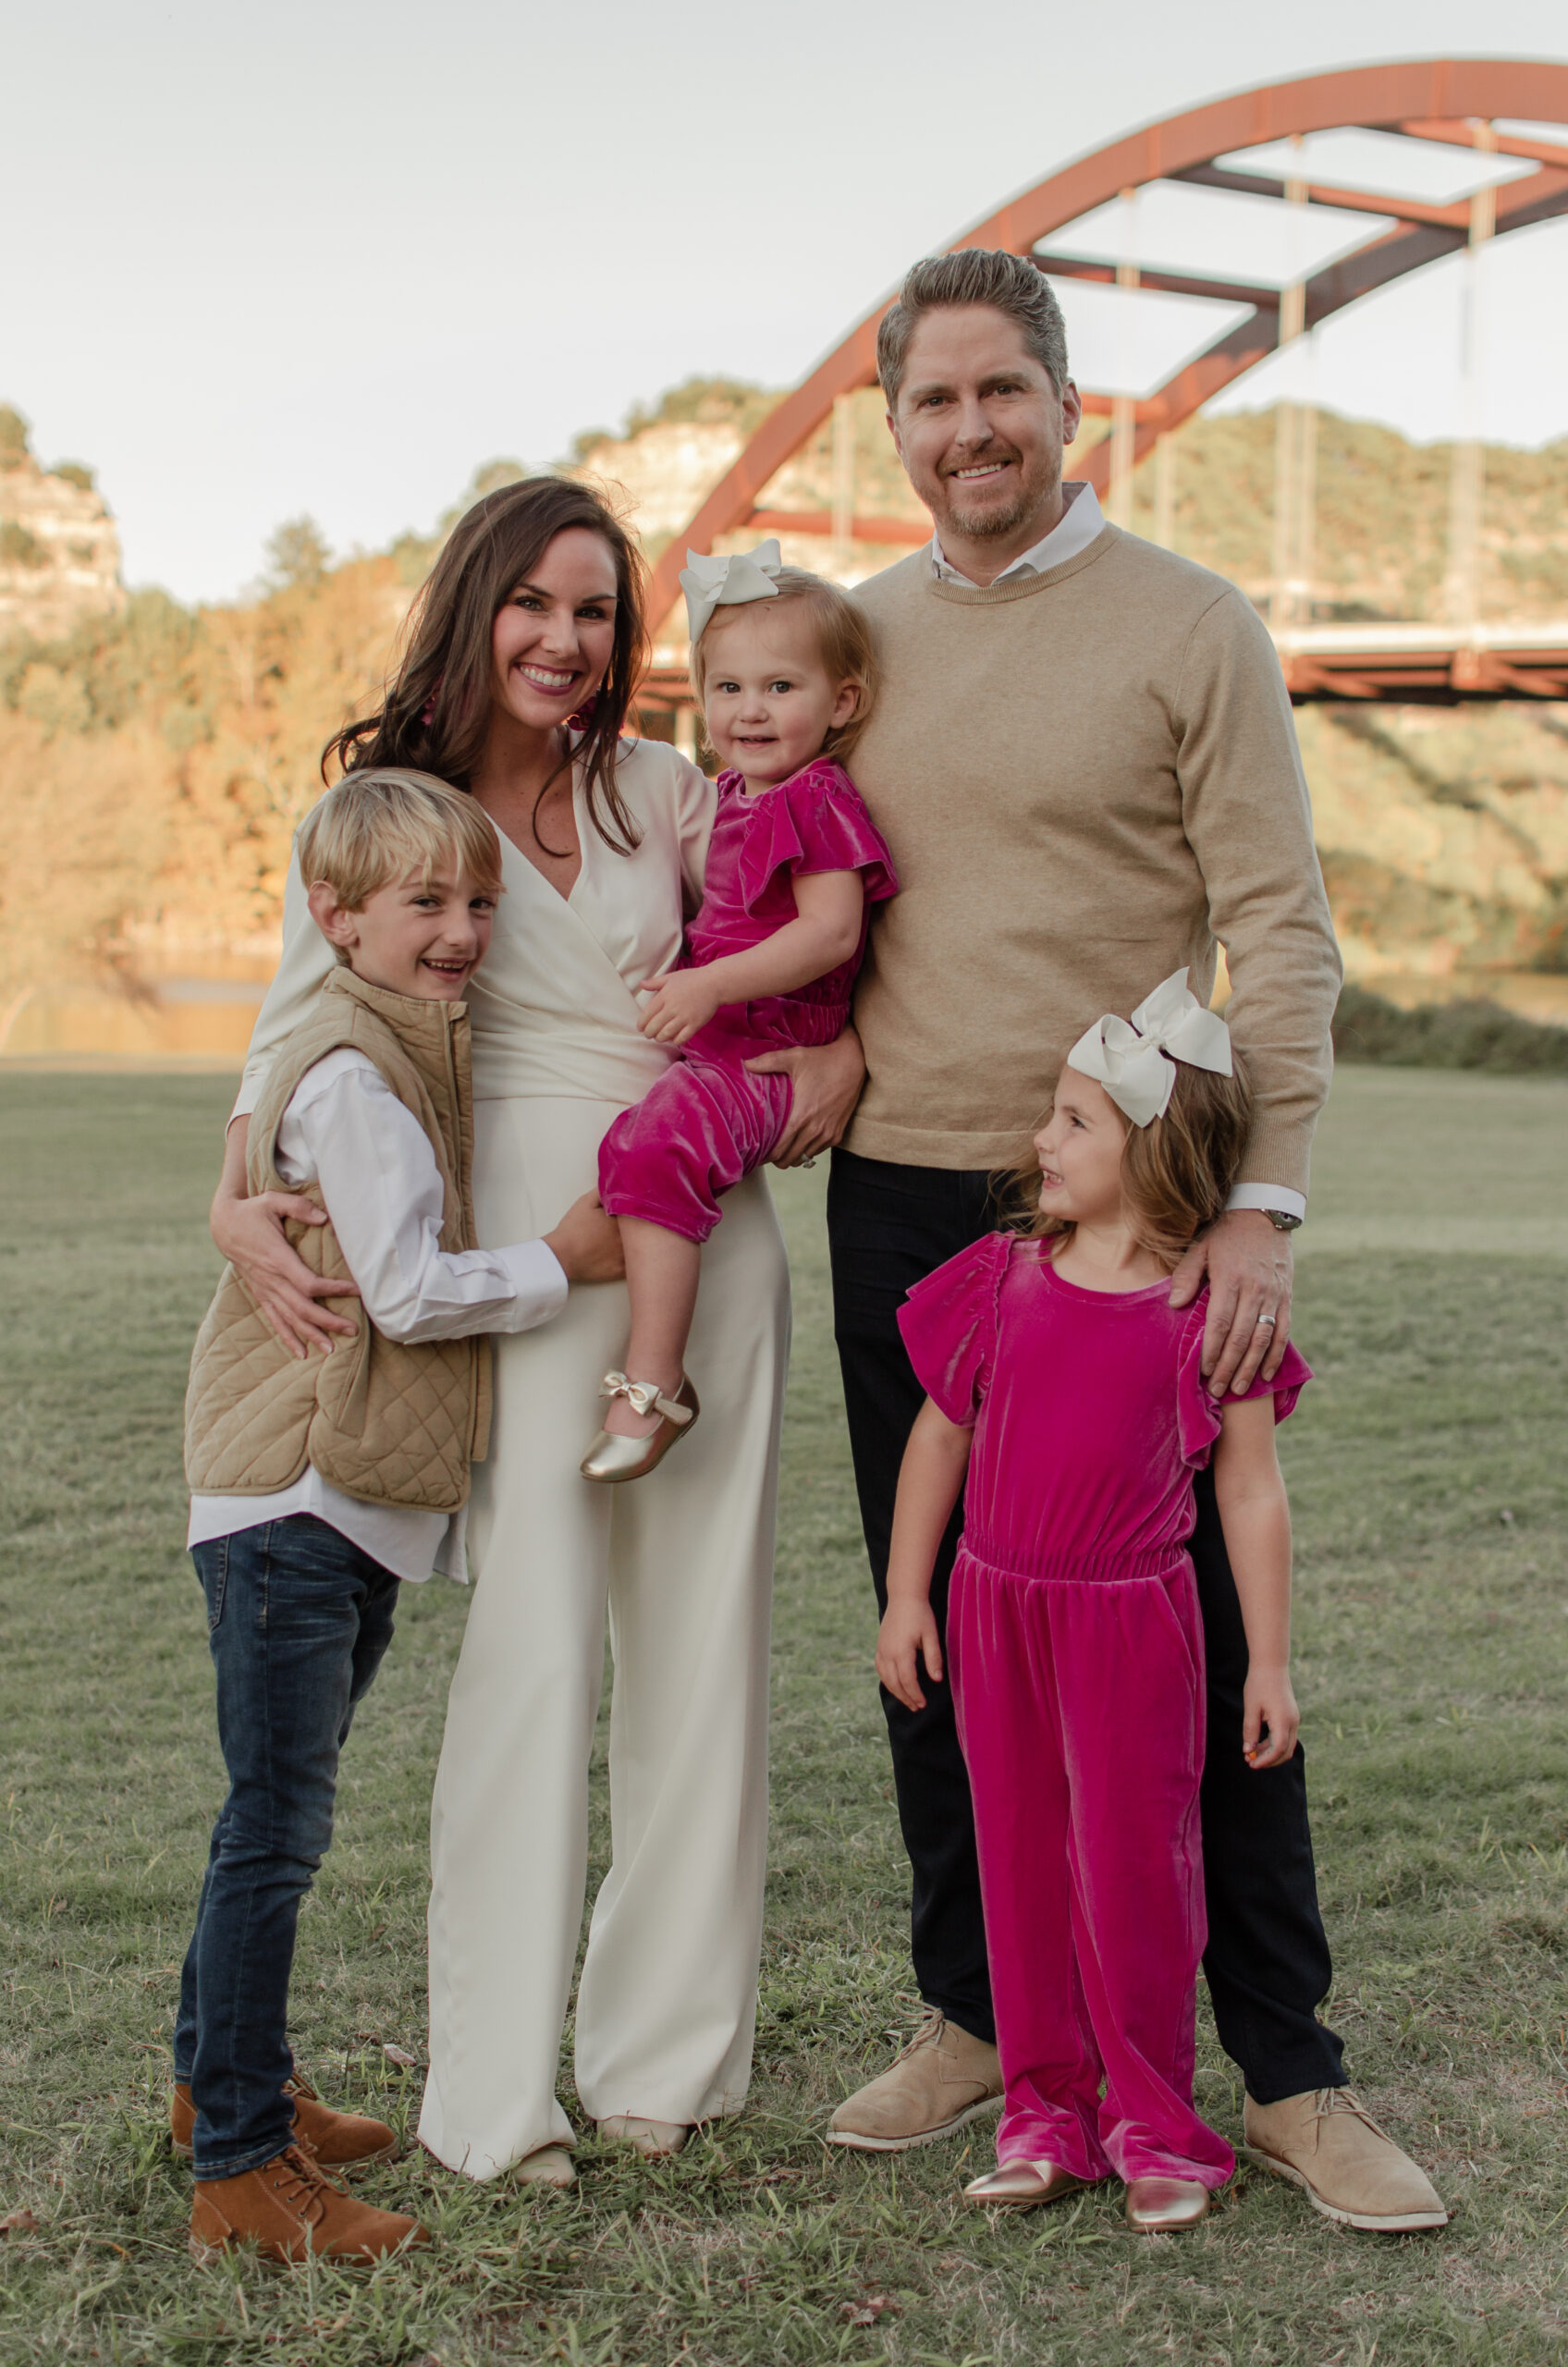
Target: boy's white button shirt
(346,1130)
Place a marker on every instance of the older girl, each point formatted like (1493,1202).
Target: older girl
(1068,1388)
(522,660)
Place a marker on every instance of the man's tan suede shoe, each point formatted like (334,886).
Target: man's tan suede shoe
(1352,2169)
(287,2210)
(942,2079)
(337,2139)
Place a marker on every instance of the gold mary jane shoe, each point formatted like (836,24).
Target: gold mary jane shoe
(610,1459)
(1019,2186)
(1159,2206)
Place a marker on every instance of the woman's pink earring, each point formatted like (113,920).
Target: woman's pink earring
(583,715)
(427,713)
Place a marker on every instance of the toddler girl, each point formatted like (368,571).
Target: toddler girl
(1068,1390)
(781,663)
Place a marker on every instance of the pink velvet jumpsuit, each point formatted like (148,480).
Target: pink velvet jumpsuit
(1076,1651)
(708,1121)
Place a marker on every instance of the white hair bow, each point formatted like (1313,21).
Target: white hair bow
(1137,1061)
(711,583)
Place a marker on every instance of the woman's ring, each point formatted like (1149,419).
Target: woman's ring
(1266,1321)
(810,1161)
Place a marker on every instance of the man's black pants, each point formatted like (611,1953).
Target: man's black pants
(1267,1959)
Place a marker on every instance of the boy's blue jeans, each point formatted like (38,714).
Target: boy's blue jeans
(297,1619)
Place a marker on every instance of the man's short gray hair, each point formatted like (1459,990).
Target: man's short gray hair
(1010,284)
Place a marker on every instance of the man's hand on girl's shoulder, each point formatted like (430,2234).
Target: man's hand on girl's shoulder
(1249,1269)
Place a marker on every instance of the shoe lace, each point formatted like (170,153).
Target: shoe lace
(300,2183)
(1332,2099)
(932,2024)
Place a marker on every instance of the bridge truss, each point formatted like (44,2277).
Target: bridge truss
(1281,146)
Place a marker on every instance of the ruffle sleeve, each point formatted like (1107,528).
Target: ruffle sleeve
(815,822)
(949,1323)
(1200,1417)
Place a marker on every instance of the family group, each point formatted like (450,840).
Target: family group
(493,1202)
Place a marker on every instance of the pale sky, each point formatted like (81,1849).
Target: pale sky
(329,256)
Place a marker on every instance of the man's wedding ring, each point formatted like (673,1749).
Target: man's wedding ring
(1265,1322)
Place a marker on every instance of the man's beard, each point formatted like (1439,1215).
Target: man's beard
(988,525)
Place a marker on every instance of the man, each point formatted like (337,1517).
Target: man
(1083,759)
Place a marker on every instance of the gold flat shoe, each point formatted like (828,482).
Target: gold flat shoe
(610,1459)
(1158,2205)
(1019,2186)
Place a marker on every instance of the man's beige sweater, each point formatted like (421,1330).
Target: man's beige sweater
(1086,776)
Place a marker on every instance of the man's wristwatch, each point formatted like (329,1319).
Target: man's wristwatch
(1281,1221)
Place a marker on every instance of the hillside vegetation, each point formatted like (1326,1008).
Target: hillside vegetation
(154,766)
(154,761)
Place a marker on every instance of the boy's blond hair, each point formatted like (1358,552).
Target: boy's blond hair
(382,823)
(843,641)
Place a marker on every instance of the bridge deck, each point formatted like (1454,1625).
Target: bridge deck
(1416,664)
(1433,663)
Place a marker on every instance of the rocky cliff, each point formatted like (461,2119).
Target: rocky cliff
(59,553)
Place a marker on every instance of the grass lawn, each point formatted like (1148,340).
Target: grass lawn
(1429,1475)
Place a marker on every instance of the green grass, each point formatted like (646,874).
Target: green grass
(1428,1472)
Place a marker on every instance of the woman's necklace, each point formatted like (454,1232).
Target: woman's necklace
(542,825)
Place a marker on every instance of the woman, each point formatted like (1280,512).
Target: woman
(522,659)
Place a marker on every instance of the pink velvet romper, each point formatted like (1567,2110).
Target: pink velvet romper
(1075,1647)
(708,1121)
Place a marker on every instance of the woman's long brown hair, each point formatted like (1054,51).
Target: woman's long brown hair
(436,716)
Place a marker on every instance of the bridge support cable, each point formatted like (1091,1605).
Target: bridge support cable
(1123,413)
(1462,583)
(1165,492)
(843,516)
(1295,432)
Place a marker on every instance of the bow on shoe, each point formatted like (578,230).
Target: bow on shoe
(711,583)
(1135,1061)
(646,1397)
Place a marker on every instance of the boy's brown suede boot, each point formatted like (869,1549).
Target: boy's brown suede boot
(287,2210)
(337,2139)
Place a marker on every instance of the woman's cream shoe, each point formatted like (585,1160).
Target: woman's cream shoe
(610,1459)
(1155,2206)
(654,2140)
(549,2166)
(1019,2186)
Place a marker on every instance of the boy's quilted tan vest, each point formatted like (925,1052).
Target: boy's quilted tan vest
(389,1424)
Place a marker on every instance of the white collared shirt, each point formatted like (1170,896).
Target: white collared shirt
(346,1130)
(1080,521)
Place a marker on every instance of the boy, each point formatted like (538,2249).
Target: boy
(319,1484)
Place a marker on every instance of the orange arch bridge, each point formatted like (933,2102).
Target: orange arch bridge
(1273,146)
